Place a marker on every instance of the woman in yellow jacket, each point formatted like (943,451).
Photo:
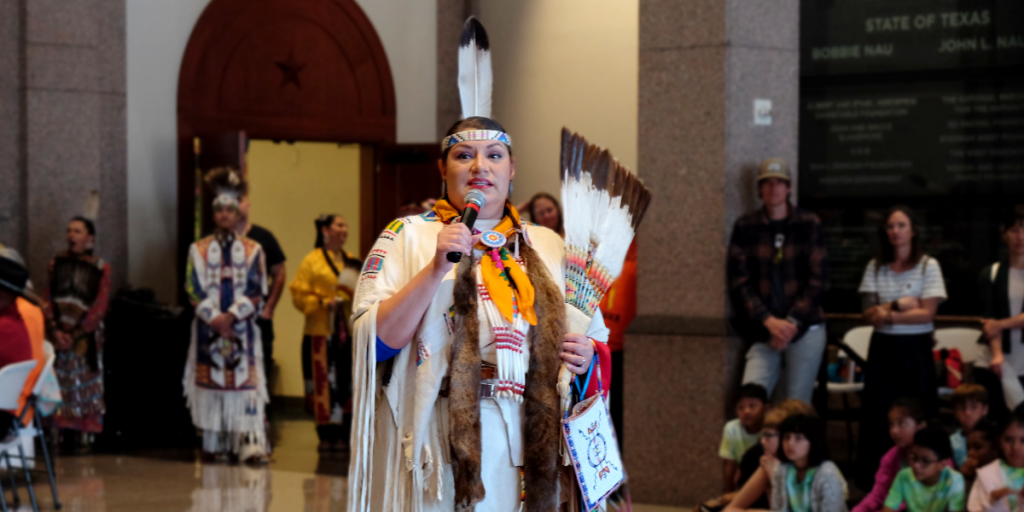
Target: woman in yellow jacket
(322,291)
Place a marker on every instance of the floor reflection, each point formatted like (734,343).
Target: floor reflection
(174,480)
(232,489)
(324,494)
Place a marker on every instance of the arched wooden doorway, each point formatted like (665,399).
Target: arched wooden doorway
(311,70)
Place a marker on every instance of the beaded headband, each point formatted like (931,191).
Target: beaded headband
(471,135)
(225,199)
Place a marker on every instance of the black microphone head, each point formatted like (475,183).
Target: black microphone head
(476,197)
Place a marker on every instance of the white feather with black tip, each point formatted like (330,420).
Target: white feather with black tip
(475,78)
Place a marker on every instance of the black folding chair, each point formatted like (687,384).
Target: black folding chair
(10,427)
(37,422)
(14,429)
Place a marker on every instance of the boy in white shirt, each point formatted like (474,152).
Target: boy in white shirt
(743,432)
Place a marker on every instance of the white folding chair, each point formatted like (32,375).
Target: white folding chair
(961,338)
(12,380)
(857,341)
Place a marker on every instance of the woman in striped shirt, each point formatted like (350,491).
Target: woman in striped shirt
(902,289)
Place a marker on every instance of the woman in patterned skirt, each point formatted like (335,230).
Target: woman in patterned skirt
(75,304)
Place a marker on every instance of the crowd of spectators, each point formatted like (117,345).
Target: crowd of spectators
(906,459)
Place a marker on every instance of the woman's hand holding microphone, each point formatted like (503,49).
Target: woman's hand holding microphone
(454,237)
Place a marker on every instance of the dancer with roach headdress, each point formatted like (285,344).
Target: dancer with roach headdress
(224,382)
(456,382)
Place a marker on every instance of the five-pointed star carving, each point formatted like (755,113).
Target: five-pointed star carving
(290,69)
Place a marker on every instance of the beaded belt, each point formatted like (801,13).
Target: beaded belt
(488,382)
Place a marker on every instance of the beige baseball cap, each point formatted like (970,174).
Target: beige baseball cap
(774,168)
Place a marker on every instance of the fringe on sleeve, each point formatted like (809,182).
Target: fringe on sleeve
(364,397)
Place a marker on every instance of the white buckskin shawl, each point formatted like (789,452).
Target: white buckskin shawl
(400,453)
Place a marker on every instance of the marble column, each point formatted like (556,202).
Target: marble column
(12,177)
(702,65)
(70,134)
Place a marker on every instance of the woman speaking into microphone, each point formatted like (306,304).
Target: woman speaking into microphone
(468,410)
(455,384)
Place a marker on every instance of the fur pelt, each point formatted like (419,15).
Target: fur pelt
(541,438)
(541,431)
(464,389)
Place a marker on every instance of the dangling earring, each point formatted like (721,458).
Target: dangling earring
(444,190)
(511,187)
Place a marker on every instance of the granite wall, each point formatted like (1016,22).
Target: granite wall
(702,65)
(62,126)
(12,214)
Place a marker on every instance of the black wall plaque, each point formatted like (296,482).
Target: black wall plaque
(840,37)
(906,140)
(913,102)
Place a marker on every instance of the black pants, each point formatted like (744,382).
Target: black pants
(615,394)
(897,366)
(267,340)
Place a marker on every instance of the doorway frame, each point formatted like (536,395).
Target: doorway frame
(204,67)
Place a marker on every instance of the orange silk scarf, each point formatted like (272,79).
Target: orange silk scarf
(500,271)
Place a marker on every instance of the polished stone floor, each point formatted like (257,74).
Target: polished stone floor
(173,481)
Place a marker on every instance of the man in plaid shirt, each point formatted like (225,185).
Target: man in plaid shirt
(777,275)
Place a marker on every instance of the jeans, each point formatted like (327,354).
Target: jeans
(802,358)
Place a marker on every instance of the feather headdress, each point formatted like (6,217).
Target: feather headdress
(475,85)
(227,184)
(606,204)
(475,78)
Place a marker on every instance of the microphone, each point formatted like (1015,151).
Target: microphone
(475,200)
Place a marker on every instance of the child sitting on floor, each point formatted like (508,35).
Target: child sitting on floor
(982,448)
(805,480)
(929,484)
(759,463)
(970,404)
(998,486)
(906,416)
(743,432)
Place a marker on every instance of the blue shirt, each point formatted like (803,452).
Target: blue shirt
(384,352)
(959,443)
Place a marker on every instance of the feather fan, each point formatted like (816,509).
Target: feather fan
(475,78)
(604,203)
